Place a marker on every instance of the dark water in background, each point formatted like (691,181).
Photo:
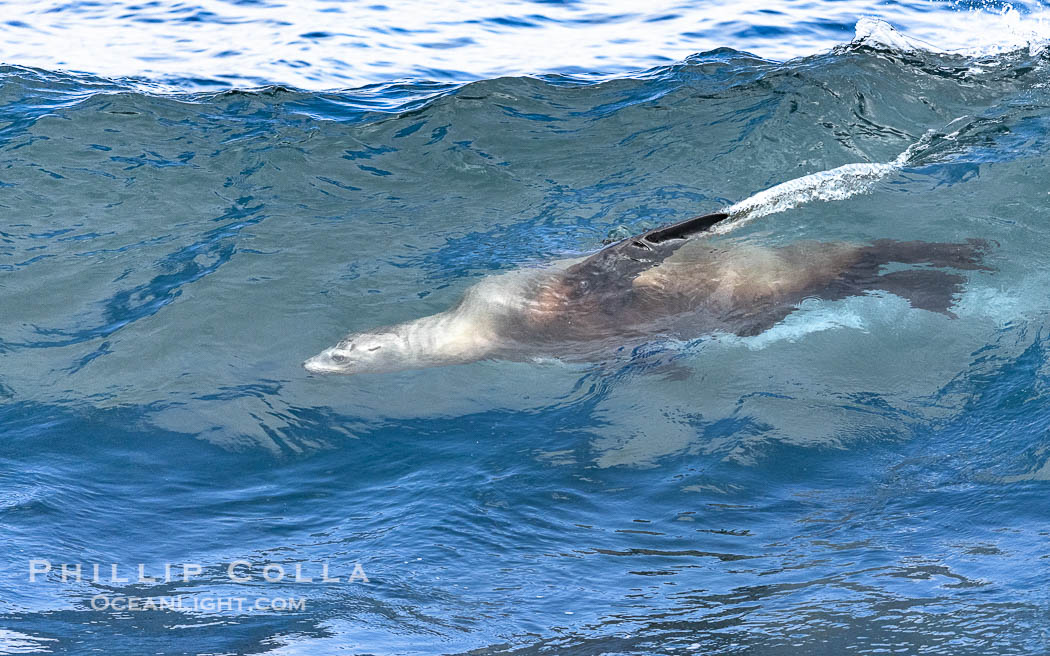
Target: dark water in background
(864,478)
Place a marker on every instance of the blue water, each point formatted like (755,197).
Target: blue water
(180,231)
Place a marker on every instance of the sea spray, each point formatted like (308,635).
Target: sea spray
(839,183)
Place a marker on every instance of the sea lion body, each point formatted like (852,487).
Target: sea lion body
(699,290)
(654,284)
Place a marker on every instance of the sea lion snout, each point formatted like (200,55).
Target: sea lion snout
(360,353)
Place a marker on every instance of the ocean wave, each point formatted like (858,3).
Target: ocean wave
(173,247)
(212,44)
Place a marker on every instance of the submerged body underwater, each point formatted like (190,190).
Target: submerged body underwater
(861,472)
(671,282)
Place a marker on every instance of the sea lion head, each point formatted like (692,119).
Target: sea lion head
(472,330)
(374,352)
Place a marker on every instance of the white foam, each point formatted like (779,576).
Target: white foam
(1000,305)
(838,183)
(835,184)
(253,43)
(972,31)
(813,317)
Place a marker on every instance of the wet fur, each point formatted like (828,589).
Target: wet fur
(747,289)
(578,310)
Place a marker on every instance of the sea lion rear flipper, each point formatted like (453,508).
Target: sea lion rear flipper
(967,256)
(925,289)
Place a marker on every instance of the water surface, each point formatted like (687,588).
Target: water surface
(863,478)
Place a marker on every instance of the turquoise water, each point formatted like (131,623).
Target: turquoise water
(862,478)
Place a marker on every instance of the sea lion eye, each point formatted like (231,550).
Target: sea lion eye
(339,358)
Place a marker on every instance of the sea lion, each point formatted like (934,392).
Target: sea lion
(650,285)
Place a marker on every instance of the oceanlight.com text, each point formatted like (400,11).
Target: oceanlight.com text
(204,604)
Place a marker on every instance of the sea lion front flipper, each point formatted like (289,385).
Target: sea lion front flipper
(614,267)
(684,229)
